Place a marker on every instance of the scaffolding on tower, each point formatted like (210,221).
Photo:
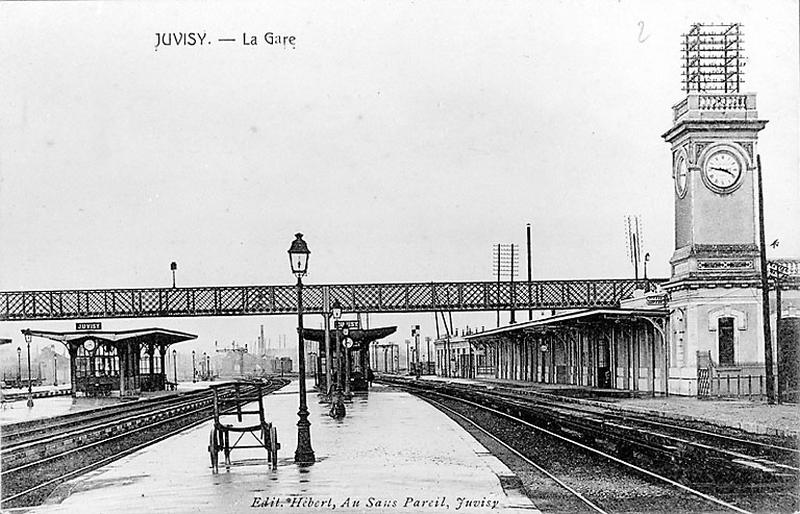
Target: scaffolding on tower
(713,58)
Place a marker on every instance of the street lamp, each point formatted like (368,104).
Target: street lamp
(173,266)
(19,366)
(194,369)
(298,259)
(204,366)
(175,366)
(28,339)
(338,409)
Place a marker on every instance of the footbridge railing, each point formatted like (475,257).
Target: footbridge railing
(281,299)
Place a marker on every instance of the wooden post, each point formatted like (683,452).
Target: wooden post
(765,290)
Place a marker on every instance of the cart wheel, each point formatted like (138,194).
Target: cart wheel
(274,446)
(213,450)
(266,442)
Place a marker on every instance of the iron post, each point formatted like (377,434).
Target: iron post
(28,339)
(19,366)
(55,369)
(175,366)
(338,409)
(298,258)
(530,275)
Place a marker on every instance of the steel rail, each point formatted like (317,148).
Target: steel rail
(559,403)
(638,469)
(90,418)
(97,421)
(71,474)
(599,416)
(106,460)
(499,441)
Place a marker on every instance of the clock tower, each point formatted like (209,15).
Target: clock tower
(713,288)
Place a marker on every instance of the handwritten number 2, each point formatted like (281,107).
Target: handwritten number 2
(641,33)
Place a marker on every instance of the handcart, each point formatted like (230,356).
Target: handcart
(235,412)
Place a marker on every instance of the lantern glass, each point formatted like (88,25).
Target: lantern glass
(28,337)
(337,309)
(298,255)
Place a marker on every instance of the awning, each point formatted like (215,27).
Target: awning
(157,335)
(570,319)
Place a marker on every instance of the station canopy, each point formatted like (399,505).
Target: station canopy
(571,320)
(158,336)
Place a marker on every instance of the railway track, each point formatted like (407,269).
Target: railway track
(34,463)
(722,472)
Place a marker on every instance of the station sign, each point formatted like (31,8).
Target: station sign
(351,324)
(89,326)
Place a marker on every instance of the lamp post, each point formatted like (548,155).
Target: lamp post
(28,339)
(175,367)
(55,369)
(208,368)
(194,369)
(298,258)
(205,366)
(19,365)
(543,348)
(338,409)
(347,343)
(173,266)
(428,355)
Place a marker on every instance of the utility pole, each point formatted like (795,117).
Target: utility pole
(530,275)
(765,290)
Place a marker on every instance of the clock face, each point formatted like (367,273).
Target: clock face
(681,176)
(89,345)
(722,169)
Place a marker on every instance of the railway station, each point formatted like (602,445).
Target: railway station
(534,416)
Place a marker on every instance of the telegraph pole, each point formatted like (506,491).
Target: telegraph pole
(530,275)
(765,290)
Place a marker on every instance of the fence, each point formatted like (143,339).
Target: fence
(739,385)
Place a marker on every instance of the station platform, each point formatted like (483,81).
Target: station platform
(392,453)
(756,417)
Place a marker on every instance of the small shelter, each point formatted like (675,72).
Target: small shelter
(122,363)
(358,353)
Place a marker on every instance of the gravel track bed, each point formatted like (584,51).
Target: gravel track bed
(611,486)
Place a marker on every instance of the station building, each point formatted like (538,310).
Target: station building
(122,363)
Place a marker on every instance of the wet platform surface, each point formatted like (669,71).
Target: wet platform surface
(392,453)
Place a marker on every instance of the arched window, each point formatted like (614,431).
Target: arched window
(725,341)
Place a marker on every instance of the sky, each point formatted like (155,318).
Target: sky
(404,139)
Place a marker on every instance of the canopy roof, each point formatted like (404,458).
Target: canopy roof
(154,335)
(356,334)
(571,319)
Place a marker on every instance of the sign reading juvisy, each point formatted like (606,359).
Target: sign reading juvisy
(88,326)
